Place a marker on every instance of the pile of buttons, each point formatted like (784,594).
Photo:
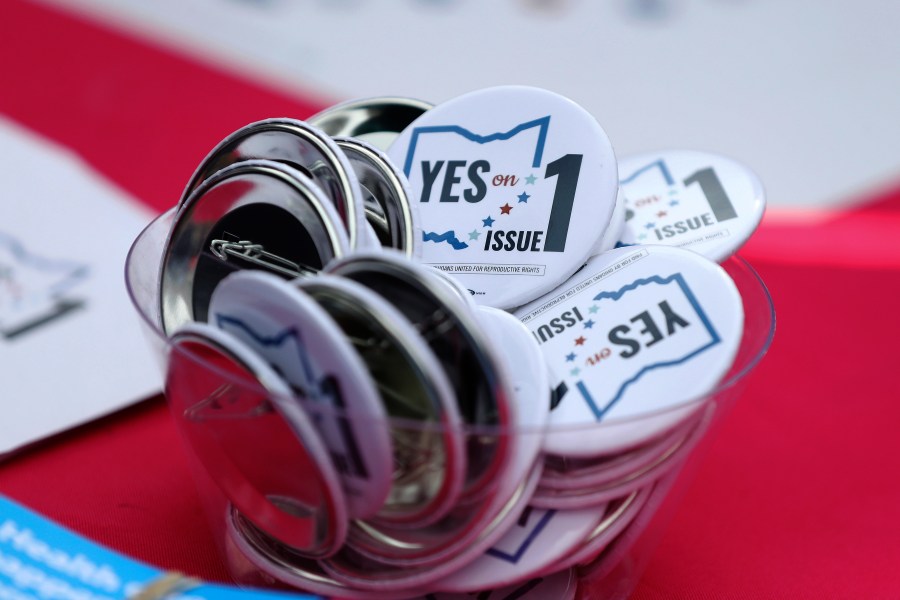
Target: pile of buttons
(442,349)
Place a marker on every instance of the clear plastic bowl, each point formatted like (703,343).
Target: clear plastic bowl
(607,566)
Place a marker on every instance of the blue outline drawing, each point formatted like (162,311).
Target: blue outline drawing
(77,272)
(70,274)
(349,456)
(520,551)
(309,386)
(660,164)
(678,278)
(447,236)
(543,123)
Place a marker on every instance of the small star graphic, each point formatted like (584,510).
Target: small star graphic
(523,197)
(488,222)
(588,324)
(530,180)
(594,308)
(575,372)
(643,236)
(504,210)
(580,341)
(570,357)
(673,202)
(661,214)
(649,225)
(473,235)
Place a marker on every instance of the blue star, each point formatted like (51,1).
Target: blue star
(588,324)
(649,225)
(530,180)
(523,197)
(673,202)
(488,222)
(594,308)
(570,357)
(473,235)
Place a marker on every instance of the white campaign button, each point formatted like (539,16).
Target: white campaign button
(696,200)
(619,515)
(636,333)
(429,454)
(353,569)
(480,521)
(513,344)
(295,335)
(514,187)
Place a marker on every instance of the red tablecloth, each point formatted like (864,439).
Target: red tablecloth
(797,497)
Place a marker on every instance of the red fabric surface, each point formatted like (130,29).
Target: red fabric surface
(797,496)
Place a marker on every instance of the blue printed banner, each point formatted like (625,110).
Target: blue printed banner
(41,560)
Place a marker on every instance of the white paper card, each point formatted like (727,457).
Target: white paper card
(71,348)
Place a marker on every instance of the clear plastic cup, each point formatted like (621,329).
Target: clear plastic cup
(610,560)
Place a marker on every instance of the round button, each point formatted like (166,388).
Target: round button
(452,333)
(633,340)
(256,214)
(385,195)
(514,187)
(294,335)
(254,441)
(706,203)
(301,146)
(429,463)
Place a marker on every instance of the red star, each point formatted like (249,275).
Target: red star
(661,214)
(580,341)
(504,210)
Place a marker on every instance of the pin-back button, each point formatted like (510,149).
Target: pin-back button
(619,515)
(562,585)
(429,461)
(298,145)
(478,522)
(254,441)
(301,342)
(513,186)
(586,496)
(377,121)
(386,195)
(622,368)
(254,214)
(696,200)
(351,567)
(538,539)
(453,334)
(513,345)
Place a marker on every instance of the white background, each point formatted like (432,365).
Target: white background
(804,92)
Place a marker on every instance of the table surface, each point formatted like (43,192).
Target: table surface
(796,497)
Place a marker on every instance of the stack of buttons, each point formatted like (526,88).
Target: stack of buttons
(429,350)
